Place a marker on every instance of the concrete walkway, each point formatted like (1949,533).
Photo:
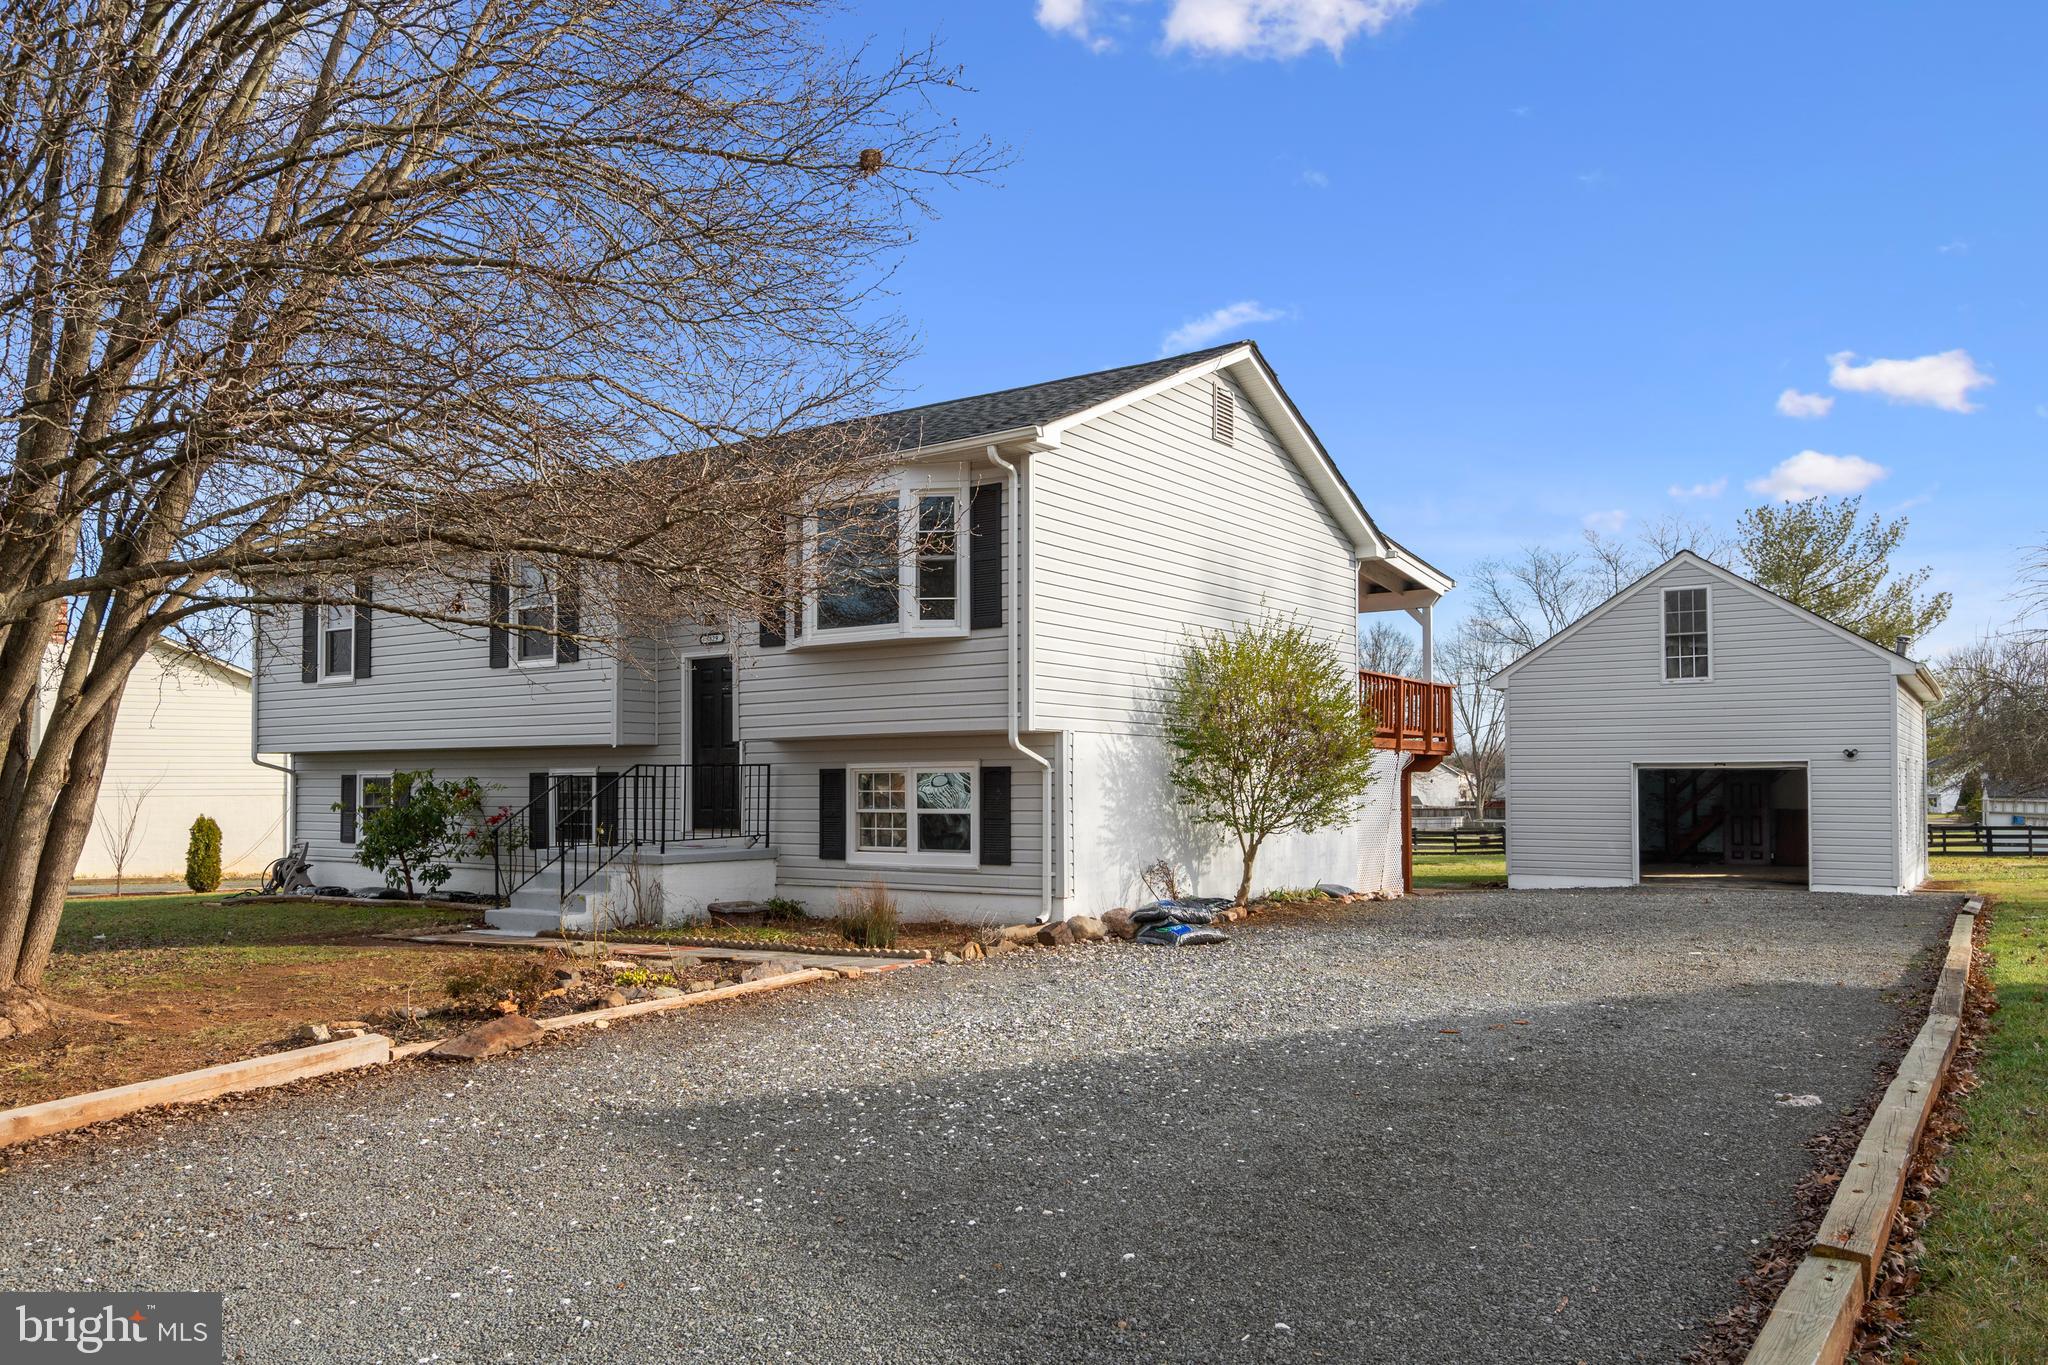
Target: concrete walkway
(1478,1127)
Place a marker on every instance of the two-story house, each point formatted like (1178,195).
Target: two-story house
(969,718)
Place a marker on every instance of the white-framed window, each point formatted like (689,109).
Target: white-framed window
(373,793)
(927,813)
(892,565)
(533,616)
(337,641)
(1688,621)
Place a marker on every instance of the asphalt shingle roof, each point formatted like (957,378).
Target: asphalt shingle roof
(1030,405)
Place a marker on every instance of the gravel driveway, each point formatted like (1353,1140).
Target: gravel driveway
(1274,1150)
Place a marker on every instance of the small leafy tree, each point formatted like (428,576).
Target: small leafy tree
(1268,733)
(422,827)
(202,855)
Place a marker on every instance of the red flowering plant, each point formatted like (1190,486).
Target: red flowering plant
(419,827)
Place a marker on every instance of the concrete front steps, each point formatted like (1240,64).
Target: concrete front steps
(643,886)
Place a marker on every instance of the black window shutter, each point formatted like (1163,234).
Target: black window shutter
(985,557)
(568,614)
(309,643)
(832,813)
(607,830)
(362,628)
(501,614)
(995,817)
(348,808)
(537,831)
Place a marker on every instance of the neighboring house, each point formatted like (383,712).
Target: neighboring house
(1697,724)
(1943,800)
(181,750)
(979,735)
(1441,787)
(2015,805)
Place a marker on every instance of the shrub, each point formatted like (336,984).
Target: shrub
(202,855)
(1267,734)
(783,910)
(424,824)
(867,917)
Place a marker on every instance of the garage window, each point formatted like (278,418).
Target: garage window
(1685,634)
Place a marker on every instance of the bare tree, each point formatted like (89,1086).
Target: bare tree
(1386,648)
(1521,602)
(120,826)
(1992,720)
(1468,662)
(300,297)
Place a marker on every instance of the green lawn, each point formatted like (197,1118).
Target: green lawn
(1460,869)
(181,921)
(1984,1295)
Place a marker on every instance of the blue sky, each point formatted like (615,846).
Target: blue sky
(1528,263)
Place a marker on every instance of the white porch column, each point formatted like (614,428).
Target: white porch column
(1421,617)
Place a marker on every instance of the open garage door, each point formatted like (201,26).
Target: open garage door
(1723,824)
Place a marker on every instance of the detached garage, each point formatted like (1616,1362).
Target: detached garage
(1696,726)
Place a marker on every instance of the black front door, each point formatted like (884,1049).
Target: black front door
(714,751)
(1749,817)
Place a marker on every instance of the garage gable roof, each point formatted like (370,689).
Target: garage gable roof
(1914,676)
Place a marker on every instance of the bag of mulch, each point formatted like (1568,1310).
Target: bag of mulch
(1180,935)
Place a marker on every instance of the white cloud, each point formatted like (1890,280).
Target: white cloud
(1207,328)
(1958,247)
(1076,19)
(1276,28)
(1607,523)
(1940,381)
(1712,489)
(1810,474)
(1793,403)
(1315,179)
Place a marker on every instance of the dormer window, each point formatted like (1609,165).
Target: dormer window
(1685,635)
(890,566)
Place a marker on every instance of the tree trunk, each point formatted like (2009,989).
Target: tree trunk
(70,823)
(1244,885)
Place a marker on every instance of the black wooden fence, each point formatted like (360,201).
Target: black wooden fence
(2006,841)
(1459,840)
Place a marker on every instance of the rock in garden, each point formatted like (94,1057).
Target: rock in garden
(313,1033)
(702,984)
(665,992)
(774,966)
(614,999)
(1056,935)
(1118,922)
(972,951)
(1088,929)
(999,947)
(1021,933)
(951,958)
(488,1040)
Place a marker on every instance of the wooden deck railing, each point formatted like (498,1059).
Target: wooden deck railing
(1408,714)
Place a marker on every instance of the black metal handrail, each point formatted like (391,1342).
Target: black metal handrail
(587,822)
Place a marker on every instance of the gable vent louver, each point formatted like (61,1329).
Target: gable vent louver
(1222,414)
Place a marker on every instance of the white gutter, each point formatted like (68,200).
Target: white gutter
(1011,511)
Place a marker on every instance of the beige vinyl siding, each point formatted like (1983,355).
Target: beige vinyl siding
(795,820)
(1784,689)
(431,687)
(181,750)
(1912,789)
(883,687)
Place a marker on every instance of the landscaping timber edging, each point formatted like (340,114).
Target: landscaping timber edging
(1814,1320)
(31,1121)
(209,1082)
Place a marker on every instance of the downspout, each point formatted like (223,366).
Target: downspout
(1011,530)
(291,776)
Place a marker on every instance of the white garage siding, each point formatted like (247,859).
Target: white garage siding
(1912,782)
(1785,689)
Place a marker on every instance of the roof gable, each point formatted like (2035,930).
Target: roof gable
(1914,675)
